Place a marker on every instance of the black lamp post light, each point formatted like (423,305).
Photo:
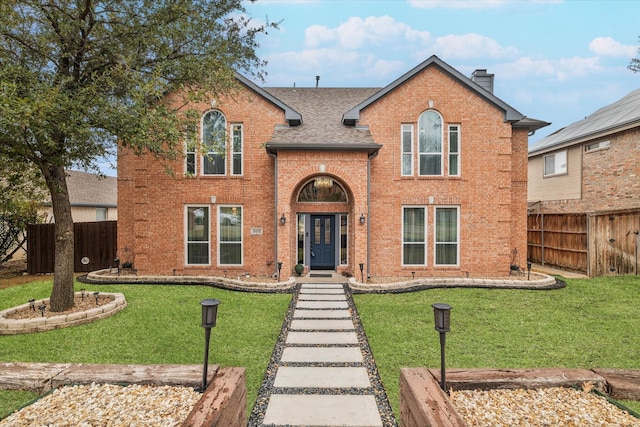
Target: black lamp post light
(279,268)
(442,317)
(209,314)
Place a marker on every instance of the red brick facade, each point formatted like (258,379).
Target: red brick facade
(489,193)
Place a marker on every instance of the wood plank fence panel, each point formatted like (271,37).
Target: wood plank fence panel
(558,240)
(95,241)
(614,246)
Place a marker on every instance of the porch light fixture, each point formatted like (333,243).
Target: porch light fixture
(442,318)
(362,219)
(209,314)
(323,182)
(283,220)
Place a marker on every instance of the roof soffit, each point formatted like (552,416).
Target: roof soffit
(292,116)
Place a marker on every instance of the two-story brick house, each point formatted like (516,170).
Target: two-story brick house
(426,175)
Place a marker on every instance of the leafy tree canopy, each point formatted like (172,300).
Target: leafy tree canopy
(78,75)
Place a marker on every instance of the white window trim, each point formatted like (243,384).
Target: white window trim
(555,173)
(218,224)
(226,147)
(597,146)
(435,233)
(441,152)
(407,127)
(231,149)
(457,152)
(186,236)
(425,230)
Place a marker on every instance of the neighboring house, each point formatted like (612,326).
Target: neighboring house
(425,176)
(93,198)
(591,168)
(592,164)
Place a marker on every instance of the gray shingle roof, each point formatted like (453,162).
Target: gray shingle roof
(86,189)
(321,110)
(609,119)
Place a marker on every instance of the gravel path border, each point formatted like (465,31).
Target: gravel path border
(267,386)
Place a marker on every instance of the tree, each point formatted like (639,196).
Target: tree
(78,77)
(21,194)
(634,65)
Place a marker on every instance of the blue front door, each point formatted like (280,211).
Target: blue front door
(323,242)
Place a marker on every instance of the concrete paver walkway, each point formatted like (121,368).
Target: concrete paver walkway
(321,378)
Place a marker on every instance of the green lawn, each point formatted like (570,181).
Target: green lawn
(591,323)
(160,325)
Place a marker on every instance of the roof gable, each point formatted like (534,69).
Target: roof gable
(614,117)
(292,116)
(511,114)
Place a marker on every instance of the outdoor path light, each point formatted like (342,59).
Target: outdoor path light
(442,317)
(362,272)
(279,268)
(529,270)
(209,314)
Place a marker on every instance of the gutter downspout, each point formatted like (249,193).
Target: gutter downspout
(371,156)
(275,210)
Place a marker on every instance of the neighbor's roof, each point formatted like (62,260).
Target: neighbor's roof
(89,190)
(616,117)
(322,127)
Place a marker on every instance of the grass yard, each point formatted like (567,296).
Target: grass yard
(591,323)
(160,325)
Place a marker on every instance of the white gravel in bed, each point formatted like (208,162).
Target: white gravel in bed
(108,405)
(555,406)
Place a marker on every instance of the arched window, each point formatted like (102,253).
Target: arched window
(430,143)
(214,143)
(322,189)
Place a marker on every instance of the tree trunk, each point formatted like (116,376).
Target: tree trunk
(62,293)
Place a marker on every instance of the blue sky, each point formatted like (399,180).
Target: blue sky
(553,60)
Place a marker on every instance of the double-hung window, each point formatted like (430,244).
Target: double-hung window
(230,235)
(454,150)
(197,235)
(407,149)
(214,143)
(430,143)
(446,236)
(555,164)
(414,235)
(236,149)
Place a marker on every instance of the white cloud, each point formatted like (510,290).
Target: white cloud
(561,69)
(456,4)
(471,46)
(606,46)
(362,32)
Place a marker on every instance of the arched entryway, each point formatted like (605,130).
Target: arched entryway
(322,207)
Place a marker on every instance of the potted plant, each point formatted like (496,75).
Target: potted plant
(298,268)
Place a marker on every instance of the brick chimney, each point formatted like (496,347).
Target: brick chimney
(483,79)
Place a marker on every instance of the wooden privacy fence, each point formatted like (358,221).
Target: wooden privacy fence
(95,243)
(596,244)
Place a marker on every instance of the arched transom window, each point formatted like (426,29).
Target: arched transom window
(430,143)
(322,189)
